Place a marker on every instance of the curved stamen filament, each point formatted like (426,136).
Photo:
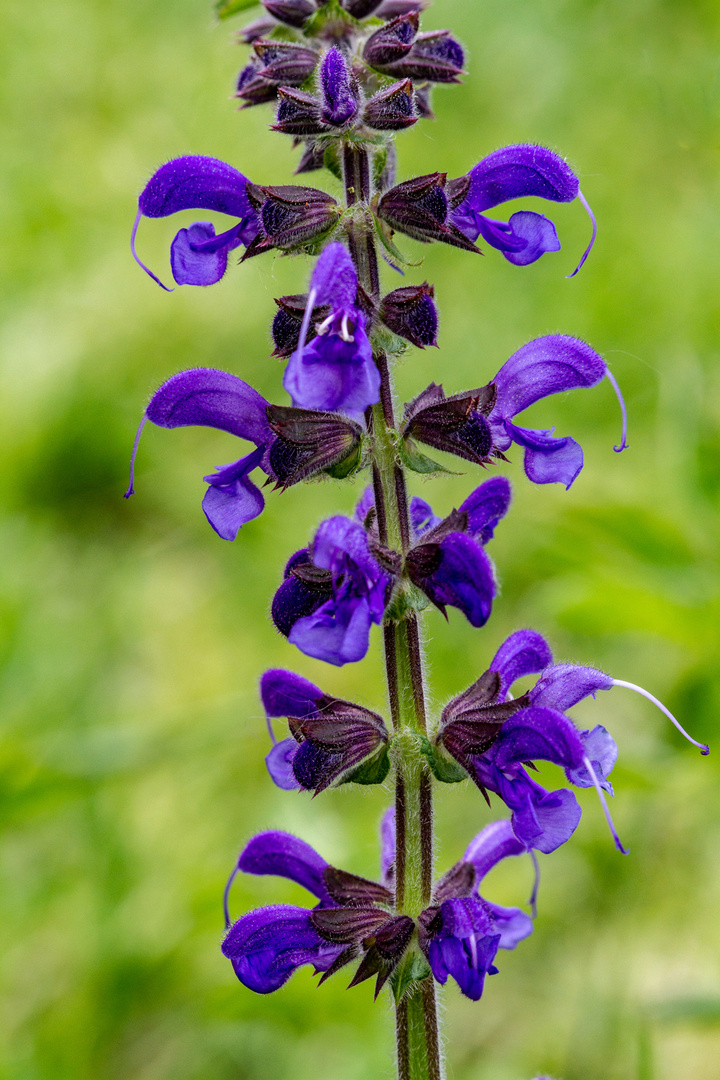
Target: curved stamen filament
(226,896)
(536,883)
(306,319)
(131,490)
(345,332)
(704,749)
(603,802)
(138,260)
(613,382)
(588,249)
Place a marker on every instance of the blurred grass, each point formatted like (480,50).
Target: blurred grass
(132,638)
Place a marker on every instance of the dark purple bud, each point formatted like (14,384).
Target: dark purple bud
(340,93)
(391,42)
(291,12)
(252,87)
(309,442)
(305,588)
(392,9)
(349,890)
(410,313)
(419,208)
(436,56)
(285,63)
(257,29)
(288,322)
(312,158)
(298,113)
(360,9)
(291,216)
(392,108)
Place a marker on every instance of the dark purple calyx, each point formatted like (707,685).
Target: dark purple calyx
(459,880)
(391,42)
(285,63)
(252,87)
(298,113)
(455,424)
(288,319)
(391,109)
(436,56)
(360,9)
(334,741)
(349,890)
(473,720)
(291,12)
(311,159)
(419,208)
(259,28)
(410,312)
(290,216)
(383,939)
(310,442)
(423,103)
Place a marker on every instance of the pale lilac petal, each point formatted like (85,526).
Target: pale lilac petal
(279,764)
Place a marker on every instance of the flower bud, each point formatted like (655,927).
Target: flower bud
(422,102)
(391,109)
(290,216)
(360,9)
(436,56)
(298,113)
(410,313)
(285,62)
(291,12)
(340,93)
(257,29)
(391,42)
(312,158)
(390,9)
(419,208)
(455,424)
(251,87)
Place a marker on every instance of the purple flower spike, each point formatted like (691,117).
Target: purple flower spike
(512,173)
(340,95)
(547,365)
(198,256)
(335,371)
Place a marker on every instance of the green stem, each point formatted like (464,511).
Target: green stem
(418,1043)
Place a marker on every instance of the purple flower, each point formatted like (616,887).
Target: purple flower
(197,255)
(330,738)
(478,424)
(459,933)
(493,736)
(332,594)
(512,173)
(335,371)
(209,398)
(448,562)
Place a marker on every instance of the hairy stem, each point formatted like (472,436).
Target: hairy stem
(418,1043)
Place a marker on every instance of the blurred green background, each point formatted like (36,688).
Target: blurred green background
(132,637)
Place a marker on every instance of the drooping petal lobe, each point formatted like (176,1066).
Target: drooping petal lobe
(279,763)
(198,256)
(539,234)
(232,499)
(601,749)
(463,579)
(548,460)
(463,945)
